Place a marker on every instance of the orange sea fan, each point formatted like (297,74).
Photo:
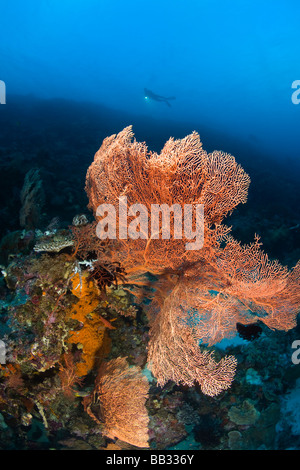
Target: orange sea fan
(68,375)
(264,286)
(121,392)
(174,352)
(183,173)
(201,294)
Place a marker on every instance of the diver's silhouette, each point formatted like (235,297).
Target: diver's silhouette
(152,96)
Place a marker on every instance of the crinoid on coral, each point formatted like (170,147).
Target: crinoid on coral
(200,293)
(106,275)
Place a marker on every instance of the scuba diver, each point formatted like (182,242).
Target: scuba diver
(149,95)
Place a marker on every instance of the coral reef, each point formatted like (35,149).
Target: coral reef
(117,344)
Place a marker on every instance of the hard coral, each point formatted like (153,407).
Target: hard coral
(54,243)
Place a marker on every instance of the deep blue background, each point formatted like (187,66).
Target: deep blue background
(230,64)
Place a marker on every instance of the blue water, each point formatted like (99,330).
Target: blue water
(230,64)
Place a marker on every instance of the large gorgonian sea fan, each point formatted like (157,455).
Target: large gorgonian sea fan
(200,295)
(183,174)
(121,392)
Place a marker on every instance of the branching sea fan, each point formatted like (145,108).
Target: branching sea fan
(201,293)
